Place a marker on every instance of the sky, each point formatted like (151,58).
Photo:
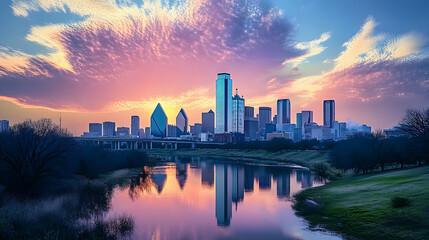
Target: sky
(95,61)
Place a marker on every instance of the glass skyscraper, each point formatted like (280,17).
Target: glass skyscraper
(328,113)
(299,120)
(283,111)
(223,103)
(135,125)
(158,122)
(181,123)
(237,113)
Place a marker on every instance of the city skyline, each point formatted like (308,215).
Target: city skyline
(374,66)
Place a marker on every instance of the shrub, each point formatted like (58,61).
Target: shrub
(399,202)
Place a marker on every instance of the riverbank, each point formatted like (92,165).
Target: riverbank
(361,206)
(307,158)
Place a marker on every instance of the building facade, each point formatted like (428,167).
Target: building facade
(159,122)
(237,113)
(96,129)
(249,111)
(264,118)
(306,118)
(181,123)
(208,122)
(135,125)
(109,129)
(283,111)
(4,125)
(123,132)
(223,103)
(328,113)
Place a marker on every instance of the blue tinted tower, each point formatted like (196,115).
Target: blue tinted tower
(158,122)
(181,123)
(223,103)
(328,113)
(283,111)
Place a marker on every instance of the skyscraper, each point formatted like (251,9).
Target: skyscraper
(249,111)
(181,123)
(328,113)
(96,129)
(299,120)
(306,118)
(223,103)
(135,125)
(109,129)
(237,113)
(158,122)
(208,120)
(264,118)
(283,111)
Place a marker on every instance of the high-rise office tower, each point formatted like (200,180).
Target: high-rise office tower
(328,113)
(237,113)
(306,118)
(283,111)
(96,129)
(158,122)
(208,120)
(249,111)
(109,129)
(223,103)
(171,131)
(181,123)
(135,125)
(264,118)
(299,120)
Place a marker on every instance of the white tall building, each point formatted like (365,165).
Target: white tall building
(237,113)
(223,103)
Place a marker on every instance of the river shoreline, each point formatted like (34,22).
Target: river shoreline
(361,206)
(306,159)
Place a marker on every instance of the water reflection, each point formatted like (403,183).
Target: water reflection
(201,198)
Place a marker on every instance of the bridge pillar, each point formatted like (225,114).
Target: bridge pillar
(135,145)
(175,146)
(151,145)
(193,145)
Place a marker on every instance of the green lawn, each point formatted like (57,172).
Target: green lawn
(360,206)
(302,158)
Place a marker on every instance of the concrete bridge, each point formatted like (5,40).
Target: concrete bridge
(142,143)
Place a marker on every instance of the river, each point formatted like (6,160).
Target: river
(206,198)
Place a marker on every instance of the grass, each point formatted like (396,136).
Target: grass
(367,206)
(303,158)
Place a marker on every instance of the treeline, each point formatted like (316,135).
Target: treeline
(36,155)
(281,144)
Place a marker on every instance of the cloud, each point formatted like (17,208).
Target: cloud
(122,51)
(312,48)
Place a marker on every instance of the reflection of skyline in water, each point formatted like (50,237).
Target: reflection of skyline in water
(200,198)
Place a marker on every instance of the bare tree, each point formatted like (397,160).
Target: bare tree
(31,151)
(415,122)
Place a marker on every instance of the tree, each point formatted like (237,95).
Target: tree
(32,151)
(415,122)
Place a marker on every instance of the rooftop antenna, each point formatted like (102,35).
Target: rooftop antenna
(236,91)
